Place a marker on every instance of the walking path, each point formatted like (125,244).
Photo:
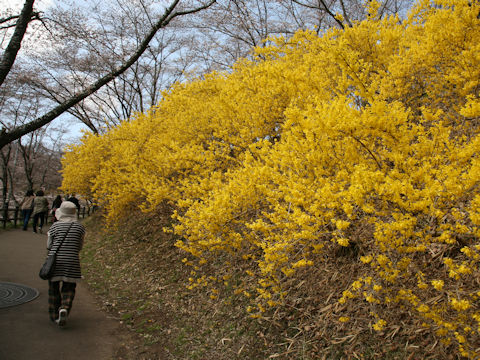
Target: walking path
(25,330)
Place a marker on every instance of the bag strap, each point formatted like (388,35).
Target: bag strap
(64,236)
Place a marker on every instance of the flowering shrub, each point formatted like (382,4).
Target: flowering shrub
(364,138)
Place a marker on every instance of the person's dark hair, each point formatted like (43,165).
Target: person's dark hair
(57,202)
(29,193)
(40,193)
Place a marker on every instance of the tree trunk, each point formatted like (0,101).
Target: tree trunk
(13,47)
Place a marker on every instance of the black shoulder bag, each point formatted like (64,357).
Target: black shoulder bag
(48,267)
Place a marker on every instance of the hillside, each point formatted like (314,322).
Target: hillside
(134,271)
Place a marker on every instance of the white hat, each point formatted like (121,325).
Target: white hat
(66,212)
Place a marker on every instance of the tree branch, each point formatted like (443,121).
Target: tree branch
(325,8)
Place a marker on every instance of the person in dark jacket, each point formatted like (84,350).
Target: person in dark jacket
(74,200)
(66,237)
(55,205)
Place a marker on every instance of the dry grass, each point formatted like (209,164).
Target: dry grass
(137,273)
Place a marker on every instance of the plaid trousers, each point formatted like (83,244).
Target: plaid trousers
(60,298)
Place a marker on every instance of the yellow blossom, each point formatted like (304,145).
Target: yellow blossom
(379,325)
(437,284)
(460,305)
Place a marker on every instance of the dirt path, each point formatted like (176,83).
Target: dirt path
(25,330)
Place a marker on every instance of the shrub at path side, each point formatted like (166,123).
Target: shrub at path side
(365,138)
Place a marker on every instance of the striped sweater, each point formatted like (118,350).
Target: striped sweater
(67,265)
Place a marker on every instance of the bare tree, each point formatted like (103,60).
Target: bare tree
(41,163)
(30,151)
(229,29)
(350,10)
(172,11)
(33,160)
(85,52)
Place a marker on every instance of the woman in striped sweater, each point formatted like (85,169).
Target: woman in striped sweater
(61,286)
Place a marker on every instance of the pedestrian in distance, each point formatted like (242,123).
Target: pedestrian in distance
(26,206)
(65,237)
(55,205)
(40,210)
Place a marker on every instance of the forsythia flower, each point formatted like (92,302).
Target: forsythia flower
(356,285)
(437,284)
(423,308)
(460,305)
(342,225)
(302,263)
(366,259)
(382,260)
(379,325)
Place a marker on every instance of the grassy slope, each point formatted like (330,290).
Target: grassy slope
(138,275)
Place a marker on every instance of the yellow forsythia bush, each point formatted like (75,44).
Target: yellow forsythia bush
(290,154)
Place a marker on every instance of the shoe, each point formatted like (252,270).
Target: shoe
(40,230)
(35,231)
(62,317)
